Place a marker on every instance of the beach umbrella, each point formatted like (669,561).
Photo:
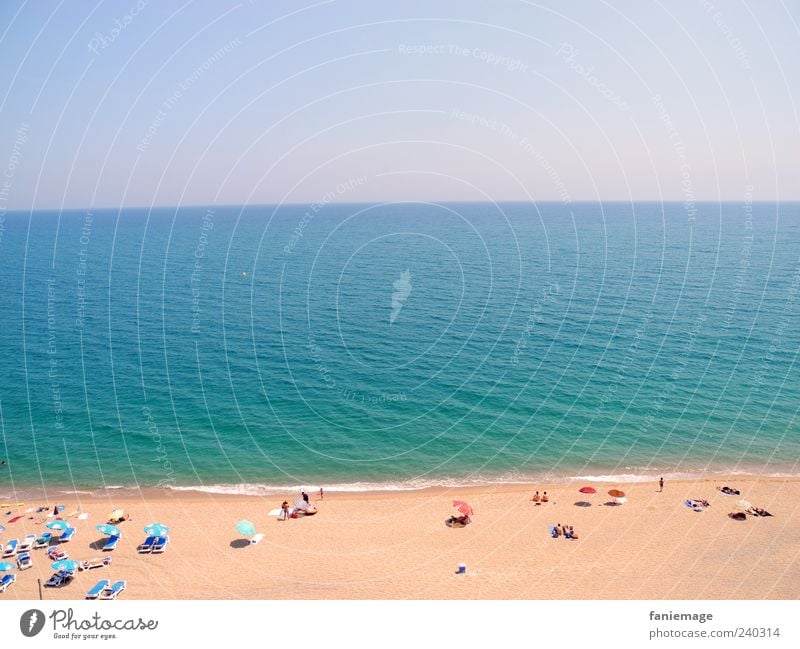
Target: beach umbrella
(109,530)
(245,528)
(57,525)
(463,507)
(616,493)
(301,504)
(156,529)
(5,565)
(744,505)
(587,490)
(65,564)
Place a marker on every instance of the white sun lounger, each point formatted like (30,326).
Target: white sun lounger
(27,543)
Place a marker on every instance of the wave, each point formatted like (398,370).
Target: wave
(258,489)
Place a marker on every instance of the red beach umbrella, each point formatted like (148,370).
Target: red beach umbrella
(588,490)
(616,493)
(463,507)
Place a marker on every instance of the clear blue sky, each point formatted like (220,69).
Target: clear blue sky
(269,101)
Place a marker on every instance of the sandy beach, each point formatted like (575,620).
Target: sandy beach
(395,545)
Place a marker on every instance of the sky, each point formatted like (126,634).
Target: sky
(140,103)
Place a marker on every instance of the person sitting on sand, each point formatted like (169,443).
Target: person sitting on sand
(559,529)
(572,534)
(544,497)
(567,533)
(535,497)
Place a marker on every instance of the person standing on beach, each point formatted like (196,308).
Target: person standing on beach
(660,485)
(285,510)
(320,493)
(305,496)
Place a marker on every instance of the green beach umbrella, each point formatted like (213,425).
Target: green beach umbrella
(109,530)
(156,529)
(245,528)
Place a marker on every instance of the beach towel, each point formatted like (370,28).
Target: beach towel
(275,512)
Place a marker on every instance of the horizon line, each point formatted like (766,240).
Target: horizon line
(400,202)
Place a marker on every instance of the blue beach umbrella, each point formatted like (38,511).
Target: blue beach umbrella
(65,564)
(245,528)
(5,565)
(156,529)
(110,530)
(57,525)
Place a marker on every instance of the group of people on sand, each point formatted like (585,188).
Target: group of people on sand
(293,512)
(540,499)
(567,531)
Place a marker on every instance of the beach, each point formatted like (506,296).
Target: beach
(395,545)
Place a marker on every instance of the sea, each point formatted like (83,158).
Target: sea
(250,349)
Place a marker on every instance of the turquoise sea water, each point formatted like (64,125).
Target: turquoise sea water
(397,345)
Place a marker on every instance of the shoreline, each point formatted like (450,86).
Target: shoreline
(395,545)
(260,490)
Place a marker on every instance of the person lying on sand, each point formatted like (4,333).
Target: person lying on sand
(458,520)
(729,491)
(572,534)
(757,511)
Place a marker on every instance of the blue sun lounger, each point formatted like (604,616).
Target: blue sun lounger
(24,560)
(111,592)
(60,578)
(98,588)
(111,543)
(11,548)
(6,581)
(147,545)
(66,535)
(43,541)
(161,544)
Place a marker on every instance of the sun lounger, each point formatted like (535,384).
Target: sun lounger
(96,562)
(98,588)
(111,543)
(6,581)
(27,543)
(24,560)
(147,545)
(66,535)
(55,553)
(160,545)
(11,548)
(43,541)
(111,592)
(60,578)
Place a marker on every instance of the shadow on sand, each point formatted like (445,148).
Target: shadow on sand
(238,544)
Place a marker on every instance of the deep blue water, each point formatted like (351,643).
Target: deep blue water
(525,341)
